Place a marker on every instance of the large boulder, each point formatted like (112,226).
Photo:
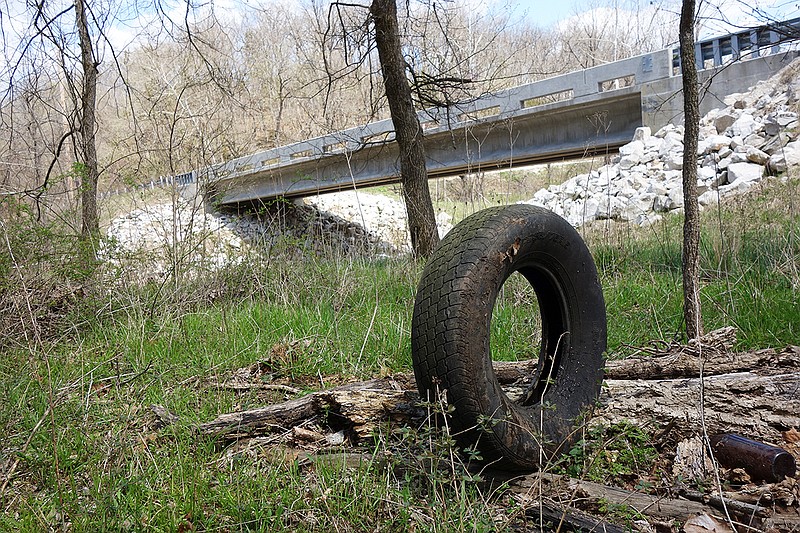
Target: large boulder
(782,160)
(739,172)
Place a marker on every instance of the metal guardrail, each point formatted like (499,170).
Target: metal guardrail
(748,43)
(574,88)
(581,88)
(181,180)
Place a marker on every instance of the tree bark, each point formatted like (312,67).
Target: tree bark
(408,132)
(691,224)
(90,225)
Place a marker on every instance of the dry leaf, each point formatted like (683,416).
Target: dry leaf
(791,435)
(704,523)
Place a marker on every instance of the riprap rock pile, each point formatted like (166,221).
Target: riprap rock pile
(384,217)
(755,135)
(159,235)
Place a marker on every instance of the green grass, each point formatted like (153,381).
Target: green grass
(750,277)
(82,390)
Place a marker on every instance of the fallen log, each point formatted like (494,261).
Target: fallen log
(753,401)
(760,407)
(357,406)
(753,394)
(688,363)
(561,491)
(569,491)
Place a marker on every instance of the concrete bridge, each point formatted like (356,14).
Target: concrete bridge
(581,113)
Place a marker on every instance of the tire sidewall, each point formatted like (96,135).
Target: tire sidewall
(537,243)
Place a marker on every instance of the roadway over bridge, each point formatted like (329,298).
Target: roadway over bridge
(592,111)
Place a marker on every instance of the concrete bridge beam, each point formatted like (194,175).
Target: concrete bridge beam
(592,111)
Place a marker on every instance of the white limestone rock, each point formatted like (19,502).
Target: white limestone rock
(443,223)
(783,159)
(642,133)
(543,197)
(705,174)
(745,125)
(710,197)
(740,187)
(656,188)
(744,172)
(737,144)
(715,143)
(633,147)
(674,160)
(755,140)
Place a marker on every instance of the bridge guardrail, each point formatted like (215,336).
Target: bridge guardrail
(573,87)
(750,42)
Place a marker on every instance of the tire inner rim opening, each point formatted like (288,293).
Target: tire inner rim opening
(554,317)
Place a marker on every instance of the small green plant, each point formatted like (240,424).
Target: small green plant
(619,512)
(617,454)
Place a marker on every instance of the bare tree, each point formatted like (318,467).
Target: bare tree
(190,103)
(52,46)
(408,132)
(417,74)
(87,125)
(601,31)
(691,224)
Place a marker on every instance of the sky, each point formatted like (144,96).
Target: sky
(543,13)
(546,13)
(741,12)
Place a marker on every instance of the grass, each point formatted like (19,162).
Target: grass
(84,446)
(749,271)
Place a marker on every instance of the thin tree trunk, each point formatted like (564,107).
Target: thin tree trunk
(408,132)
(90,225)
(691,225)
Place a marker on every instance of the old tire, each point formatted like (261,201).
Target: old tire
(451,324)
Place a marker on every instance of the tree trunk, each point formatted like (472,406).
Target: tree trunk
(88,171)
(691,224)
(408,132)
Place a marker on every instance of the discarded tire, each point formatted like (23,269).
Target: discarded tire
(451,325)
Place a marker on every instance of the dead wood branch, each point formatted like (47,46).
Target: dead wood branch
(554,518)
(758,398)
(357,406)
(686,363)
(673,507)
(238,386)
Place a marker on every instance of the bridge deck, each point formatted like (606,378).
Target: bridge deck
(581,113)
